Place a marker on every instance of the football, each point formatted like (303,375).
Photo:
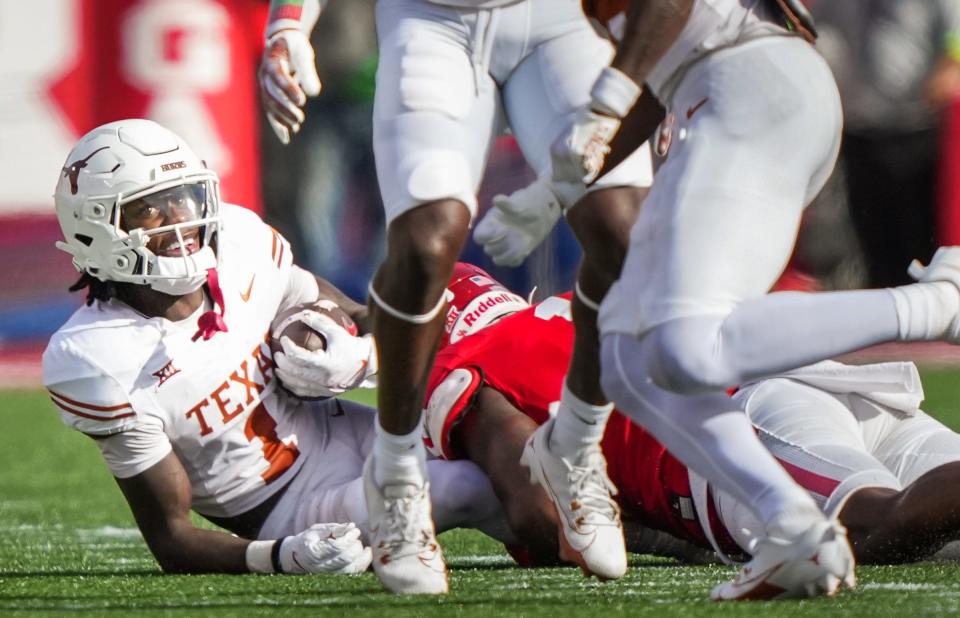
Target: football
(286,325)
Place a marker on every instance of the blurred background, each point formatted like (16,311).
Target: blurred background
(67,66)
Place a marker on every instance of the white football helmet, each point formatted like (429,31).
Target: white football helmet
(136,160)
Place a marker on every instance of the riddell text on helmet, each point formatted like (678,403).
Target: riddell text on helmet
(485,305)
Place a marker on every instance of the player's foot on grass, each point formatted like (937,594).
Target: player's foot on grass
(590,531)
(816,562)
(406,555)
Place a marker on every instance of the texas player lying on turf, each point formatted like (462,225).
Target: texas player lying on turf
(183,400)
(853,437)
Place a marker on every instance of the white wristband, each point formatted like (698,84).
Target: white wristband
(259,556)
(614,93)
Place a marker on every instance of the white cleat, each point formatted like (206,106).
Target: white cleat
(815,563)
(945,267)
(406,555)
(590,531)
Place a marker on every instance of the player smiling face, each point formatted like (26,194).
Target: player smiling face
(170,207)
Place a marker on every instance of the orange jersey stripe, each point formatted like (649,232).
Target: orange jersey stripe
(91,416)
(89,406)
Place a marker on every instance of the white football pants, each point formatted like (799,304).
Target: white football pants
(834,444)
(450,78)
(329,487)
(756,135)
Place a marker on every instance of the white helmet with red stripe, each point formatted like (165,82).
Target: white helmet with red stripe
(476,301)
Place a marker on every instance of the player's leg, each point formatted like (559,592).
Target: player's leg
(716,230)
(817,438)
(542,93)
(329,488)
(492,434)
(888,527)
(924,454)
(722,222)
(433,123)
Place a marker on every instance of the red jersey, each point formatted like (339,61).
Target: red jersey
(525,356)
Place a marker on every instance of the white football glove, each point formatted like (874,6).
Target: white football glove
(518,223)
(288,75)
(579,152)
(348,361)
(325,548)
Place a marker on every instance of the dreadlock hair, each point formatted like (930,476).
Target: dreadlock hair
(96,289)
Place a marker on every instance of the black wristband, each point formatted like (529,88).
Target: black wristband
(275,555)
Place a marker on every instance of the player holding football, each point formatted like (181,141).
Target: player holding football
(450,73)
(168,368)
(853,437)
(756,128)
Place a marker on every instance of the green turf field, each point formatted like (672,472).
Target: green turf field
(69,545)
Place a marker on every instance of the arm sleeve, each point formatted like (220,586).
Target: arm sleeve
(137,449)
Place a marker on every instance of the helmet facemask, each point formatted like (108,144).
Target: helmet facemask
(190,241)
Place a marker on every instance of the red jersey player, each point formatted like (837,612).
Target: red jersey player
(863,449)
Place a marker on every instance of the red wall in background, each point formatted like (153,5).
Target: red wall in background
(188,64)
(948,224)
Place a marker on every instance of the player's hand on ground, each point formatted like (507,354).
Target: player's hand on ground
(325,548)
(288,75)
(518,222)
(347,362)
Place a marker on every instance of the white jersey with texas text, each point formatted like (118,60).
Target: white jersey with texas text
(143,387)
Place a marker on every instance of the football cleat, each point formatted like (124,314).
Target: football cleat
(590,534)
(817,562)
(406,555)
(945,266)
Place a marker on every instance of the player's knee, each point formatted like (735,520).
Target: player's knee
(427,240)
(683,361)
(602,223)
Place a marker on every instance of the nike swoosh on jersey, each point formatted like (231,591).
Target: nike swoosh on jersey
(245,296)
(693,109)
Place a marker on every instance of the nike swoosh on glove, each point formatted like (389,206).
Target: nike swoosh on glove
(325,548)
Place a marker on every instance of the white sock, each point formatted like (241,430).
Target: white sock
(925,310)
(399,459)
(578,425)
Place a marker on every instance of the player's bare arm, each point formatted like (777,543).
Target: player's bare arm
(159,499)
(492,435)
(359,313)
(638,126)
(651,28)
